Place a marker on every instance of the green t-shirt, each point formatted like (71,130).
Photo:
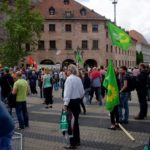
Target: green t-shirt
(21,86)
(47,81)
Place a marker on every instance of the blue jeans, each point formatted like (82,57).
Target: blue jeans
(61,83)
(124,104)
(5,142)
(97,91)
(87,96)
(56,86)
(22,114)
(148,93)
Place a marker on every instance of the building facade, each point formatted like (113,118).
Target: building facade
(145,49)
(141,45)
(69,26)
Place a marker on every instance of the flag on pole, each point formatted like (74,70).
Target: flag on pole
(119,37)
(30,60)
(35,65)
(79,58)
(110,83)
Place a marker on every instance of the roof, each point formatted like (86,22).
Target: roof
(138,37)
(60,9)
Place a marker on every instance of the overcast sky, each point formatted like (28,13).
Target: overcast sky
(131,14)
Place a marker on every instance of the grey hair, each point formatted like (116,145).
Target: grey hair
(73,69)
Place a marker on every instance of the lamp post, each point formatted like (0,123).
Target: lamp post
(115,3)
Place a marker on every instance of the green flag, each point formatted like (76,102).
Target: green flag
(110,83)
(79,58)
(119,37)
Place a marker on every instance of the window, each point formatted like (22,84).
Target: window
(68,44)
(106,34)
(95,27)
(41,45)
(83,12)
(119,63)
(52,27)
(52,44)
(111,48)
(84,44)
(84,27)
(42,27)
(116,49)
(52,11)
(68,14)
(116,63)
(27,47)
(107,48)
(68,28)
(95,44)
(106,62)
(66,2)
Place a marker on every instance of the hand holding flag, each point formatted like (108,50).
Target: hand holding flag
(110,83)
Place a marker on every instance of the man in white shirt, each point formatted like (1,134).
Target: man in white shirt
(73,93)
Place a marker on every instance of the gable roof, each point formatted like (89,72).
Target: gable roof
(138,37)
(60,9)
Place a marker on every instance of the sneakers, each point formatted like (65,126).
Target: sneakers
(112,127)
(20,128)
(70,147)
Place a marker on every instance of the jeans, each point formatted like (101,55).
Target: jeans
(48,95)
(124,104)
(114,115)
(61,83)
(5,142)
(74,106)
(22,114)
(143,103)
(97,91)
(86,98)
(148,93)
(56,86)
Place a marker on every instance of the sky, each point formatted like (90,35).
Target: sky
(131,14)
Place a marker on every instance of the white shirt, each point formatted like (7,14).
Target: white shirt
(61,75)
(73,89)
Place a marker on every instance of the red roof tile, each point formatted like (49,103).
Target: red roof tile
(60,9)
(138,37)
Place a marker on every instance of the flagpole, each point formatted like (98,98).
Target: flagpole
(115,3)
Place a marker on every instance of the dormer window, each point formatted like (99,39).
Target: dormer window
(83,12)
(68,13)
(66,2)
(52,11)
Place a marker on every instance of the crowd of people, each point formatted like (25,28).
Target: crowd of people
(78,88)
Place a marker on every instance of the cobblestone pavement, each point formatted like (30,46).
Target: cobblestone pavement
(44,134)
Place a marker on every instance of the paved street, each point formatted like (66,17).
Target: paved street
(44,134)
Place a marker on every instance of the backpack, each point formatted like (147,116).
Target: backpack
(132,83)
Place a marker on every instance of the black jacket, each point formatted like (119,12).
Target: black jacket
(6,83)
(86,82)
(142,81)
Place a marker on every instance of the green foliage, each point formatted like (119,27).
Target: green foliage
(139,58)
(23,26)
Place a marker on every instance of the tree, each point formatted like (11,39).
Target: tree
(23,26)
(139,58)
